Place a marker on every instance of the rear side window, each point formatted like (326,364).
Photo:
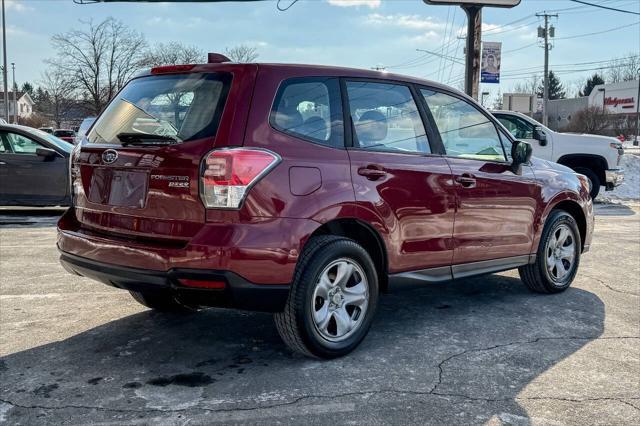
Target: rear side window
(310,109)
(176,107)
(385,118)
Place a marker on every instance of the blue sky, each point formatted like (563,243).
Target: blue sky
(358,33)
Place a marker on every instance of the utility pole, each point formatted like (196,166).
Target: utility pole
(4,67)
(546,32)
(472,51)
(15,95)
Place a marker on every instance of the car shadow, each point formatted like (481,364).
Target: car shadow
(477,341)
(28,217)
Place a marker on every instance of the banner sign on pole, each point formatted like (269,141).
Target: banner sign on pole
(490,67)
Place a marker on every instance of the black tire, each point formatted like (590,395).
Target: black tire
(296,325)
(593,180)
(536,276)
(162,302)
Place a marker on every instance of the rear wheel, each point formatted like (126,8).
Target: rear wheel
(332,299)
(594,182)
(163,302)
(557,258)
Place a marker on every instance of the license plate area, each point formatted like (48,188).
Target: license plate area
(120,188)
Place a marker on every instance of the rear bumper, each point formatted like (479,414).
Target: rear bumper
(613,178)
(261,251)
(237,293)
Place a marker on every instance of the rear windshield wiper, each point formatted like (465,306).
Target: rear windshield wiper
(145,139)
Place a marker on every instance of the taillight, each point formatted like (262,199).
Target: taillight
(227,174)
(74,172)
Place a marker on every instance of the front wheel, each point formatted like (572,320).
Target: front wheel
(332,299)
(592,177)
(557,258)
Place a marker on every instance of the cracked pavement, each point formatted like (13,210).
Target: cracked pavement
(473,351)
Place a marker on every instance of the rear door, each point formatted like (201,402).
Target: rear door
(137,173)
(496,208)
(400,184)
(28,178)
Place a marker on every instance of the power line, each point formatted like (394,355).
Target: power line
(606,7)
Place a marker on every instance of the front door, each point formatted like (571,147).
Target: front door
(495,207)
(400,186)
(28,178)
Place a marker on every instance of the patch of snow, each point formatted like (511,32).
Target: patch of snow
(630,187)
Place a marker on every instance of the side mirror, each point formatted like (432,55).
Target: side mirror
(47,154)
(520,154)
(540,136)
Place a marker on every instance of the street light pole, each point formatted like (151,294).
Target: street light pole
(4,68)
(15,95)
(637,140)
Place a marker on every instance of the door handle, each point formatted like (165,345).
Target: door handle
(466,180)
(372,172)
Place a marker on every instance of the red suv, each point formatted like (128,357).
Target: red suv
(301,190)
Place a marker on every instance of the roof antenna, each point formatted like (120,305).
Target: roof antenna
(216,58)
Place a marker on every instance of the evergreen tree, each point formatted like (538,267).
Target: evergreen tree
(592,81)
(556,89)
(27,88)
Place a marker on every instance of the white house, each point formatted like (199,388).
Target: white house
(24,104)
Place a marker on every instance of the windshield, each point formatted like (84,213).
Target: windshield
(176,107)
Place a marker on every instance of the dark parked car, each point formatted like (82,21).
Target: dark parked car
(302,190)
(65,134)
(34,167)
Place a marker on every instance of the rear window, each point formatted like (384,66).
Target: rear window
(65,133)
(176,108)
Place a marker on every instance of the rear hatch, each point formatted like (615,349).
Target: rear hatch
(136,174)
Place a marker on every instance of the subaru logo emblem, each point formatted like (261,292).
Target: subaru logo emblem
(109,156)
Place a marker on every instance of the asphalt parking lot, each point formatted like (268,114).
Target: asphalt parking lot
(475,351)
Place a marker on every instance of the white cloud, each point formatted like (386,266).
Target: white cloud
(372,4)
(17,5)
(412,22)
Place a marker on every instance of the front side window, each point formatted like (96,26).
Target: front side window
(385,118)
(20,144)
(518,128)
(170,108)
(464,130)
(310,108)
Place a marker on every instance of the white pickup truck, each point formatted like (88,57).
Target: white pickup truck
(596,157)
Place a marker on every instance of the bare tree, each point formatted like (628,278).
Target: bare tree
(589,120)
(60,94)
(172,53)
(529,86)
(100,58)
(242,53)
(624,69)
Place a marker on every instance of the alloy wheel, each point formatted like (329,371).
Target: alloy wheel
(340,300)
(561,253)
